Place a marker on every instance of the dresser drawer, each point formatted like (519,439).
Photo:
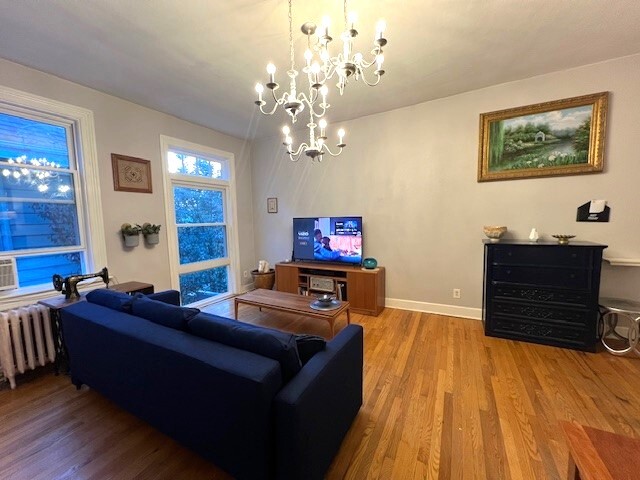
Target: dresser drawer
(538,311)
(543,276)
(541,331)
(549,255)
(533,294)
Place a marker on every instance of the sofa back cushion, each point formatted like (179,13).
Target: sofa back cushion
(110,298)
(171,316)
(269,343)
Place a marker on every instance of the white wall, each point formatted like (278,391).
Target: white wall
(129,129)
(412,172)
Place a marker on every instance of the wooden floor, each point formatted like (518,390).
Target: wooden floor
(441,401)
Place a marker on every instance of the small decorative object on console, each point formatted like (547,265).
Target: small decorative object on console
(494,232)
(534,236)
(370,263)
(563,239)
(69,285)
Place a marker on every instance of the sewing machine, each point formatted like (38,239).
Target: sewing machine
(69,285)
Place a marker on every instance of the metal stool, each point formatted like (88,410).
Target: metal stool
(620,325)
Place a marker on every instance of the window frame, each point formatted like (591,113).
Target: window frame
(228,185)
(82,141)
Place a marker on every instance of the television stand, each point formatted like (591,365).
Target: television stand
(363,289)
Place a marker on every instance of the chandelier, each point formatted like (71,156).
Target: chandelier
(319,68)
(38,173)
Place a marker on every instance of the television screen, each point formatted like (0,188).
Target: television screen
(328,239)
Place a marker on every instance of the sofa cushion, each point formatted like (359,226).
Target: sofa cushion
(171,316)
(308,346)
(110,298)
(269,343)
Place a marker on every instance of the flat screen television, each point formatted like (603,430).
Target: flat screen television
(328,239)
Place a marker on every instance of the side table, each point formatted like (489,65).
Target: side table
(55,304)
(133,287)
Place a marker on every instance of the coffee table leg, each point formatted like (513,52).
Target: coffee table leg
(348,317)
(573,473)
(236,309)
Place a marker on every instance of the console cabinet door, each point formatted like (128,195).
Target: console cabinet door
(362,288)
(286,278)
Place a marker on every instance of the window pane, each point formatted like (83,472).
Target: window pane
(194,165)
(27,182)
(38,270)
(197,244)
(34,140)
(27,225)
(194,205)
(198,286)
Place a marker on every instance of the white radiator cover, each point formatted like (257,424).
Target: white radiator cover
(26,340)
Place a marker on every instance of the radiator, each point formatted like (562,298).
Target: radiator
(26,340)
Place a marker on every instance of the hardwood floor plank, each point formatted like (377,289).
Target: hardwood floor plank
(441,401)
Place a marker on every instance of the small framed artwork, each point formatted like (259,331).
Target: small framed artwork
(272,205)
(131,174)
(562,137)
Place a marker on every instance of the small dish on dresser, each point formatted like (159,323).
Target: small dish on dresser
(563,239)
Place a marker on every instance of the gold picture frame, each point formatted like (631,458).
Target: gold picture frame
(131,174)
(561,137)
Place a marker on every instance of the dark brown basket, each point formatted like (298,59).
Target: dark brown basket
(264,280)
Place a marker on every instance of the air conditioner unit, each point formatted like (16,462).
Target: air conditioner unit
(8,273)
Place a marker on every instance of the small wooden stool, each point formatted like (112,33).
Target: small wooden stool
(598,455)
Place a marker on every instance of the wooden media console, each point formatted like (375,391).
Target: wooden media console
(363,289)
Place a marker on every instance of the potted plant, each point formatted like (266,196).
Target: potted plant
(150,232)
(130,234)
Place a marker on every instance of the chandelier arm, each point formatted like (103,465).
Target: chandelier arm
(281,100)
(326,149)
(316,114)
(273,110)
(310,101)
(298,151)
(364,64)
(364,79)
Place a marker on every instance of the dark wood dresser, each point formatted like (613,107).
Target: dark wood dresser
(543,292)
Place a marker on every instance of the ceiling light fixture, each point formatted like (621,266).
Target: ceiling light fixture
(345,65)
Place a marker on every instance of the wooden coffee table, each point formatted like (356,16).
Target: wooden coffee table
(291,303)
(598,455)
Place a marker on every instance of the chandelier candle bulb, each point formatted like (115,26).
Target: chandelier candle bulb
(271,70)
(380,28)
(323,124)
(353,18)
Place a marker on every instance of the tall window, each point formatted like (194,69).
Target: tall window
(43,206)
(199,188)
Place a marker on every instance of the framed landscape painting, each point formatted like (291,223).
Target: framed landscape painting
(563,137)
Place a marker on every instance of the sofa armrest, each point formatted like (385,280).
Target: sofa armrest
(171,297)
(316,408)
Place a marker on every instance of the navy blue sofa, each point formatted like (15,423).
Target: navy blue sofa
(249,414)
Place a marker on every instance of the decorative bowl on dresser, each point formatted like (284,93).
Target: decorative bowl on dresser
(543,293)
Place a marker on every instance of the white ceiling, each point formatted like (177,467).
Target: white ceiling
(200,59)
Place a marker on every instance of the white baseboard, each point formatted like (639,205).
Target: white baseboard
(441,309)
(247,287)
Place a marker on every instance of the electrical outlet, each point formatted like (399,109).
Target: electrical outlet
(456,293)
(245,274)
